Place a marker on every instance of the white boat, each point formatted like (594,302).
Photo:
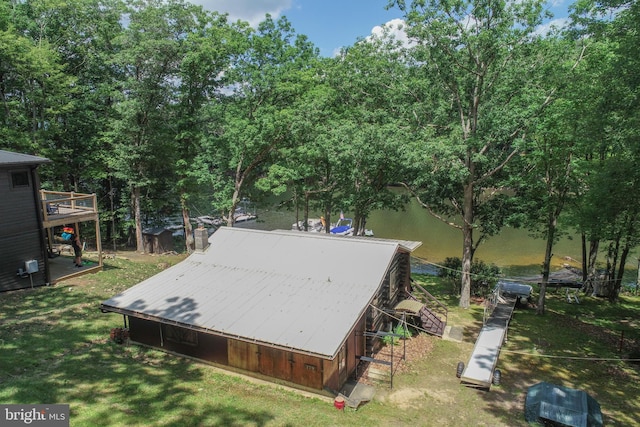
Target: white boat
(209,220)
(313,224)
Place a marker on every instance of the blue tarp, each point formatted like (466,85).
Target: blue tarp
(567,406)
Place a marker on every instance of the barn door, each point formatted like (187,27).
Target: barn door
(275,363)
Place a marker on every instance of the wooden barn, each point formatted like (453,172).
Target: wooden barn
(28,218)
(283,305)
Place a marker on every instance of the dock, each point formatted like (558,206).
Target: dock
(479,371)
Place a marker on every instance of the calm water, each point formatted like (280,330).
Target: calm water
(509,249)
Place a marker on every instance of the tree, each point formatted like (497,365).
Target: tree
(346,129)
(307,168)
(369,81)
(551,181)
(141,134)
(605,212)
(266,81)
(204,58)
(476,87)
(34,85)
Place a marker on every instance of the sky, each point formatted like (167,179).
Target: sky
(329,24)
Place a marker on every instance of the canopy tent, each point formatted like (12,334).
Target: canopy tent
(566,406)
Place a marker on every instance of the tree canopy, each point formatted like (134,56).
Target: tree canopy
(163,108)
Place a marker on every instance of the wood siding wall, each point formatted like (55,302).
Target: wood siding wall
(20,232)
(297,368)
(396,283)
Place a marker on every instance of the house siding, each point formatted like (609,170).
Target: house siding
(20,233)
(300,369)
(396,284)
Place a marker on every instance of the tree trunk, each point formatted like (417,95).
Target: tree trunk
(617,285)
(188,229)
(592,273)
(467,246)
(137,215)
(610,275)
(306,211)
(546,265)
(235,200)
(585,270)
(327,219)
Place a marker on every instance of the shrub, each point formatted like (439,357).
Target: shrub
(483,276)
(400,329)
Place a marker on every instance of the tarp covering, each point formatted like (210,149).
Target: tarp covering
(567,406)
(515,289)
(409,306)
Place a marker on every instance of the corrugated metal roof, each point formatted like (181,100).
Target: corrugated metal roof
(303,291)
(9,158)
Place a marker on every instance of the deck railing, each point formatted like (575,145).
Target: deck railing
(57,202)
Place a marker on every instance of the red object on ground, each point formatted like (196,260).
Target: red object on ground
(338,402)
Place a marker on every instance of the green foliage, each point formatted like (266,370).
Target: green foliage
(400,329)
(180,109)
(483,276)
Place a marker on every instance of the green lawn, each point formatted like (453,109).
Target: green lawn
(55,348)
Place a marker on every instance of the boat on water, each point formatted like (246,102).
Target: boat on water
(241,214)
(209,220)
(315,225)
(344,227)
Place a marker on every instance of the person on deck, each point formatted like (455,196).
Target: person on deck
(77,249)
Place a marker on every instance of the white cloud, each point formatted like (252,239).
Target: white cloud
(252,11)
(552,26)
(394,29)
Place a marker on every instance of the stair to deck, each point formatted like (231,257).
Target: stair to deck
(432,314)
(431,322)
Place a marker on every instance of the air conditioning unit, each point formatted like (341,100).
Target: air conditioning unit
(31,266)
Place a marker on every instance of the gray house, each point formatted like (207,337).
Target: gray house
(23,254)
(283,305)
(29,218)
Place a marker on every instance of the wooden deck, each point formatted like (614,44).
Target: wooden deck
(63,267)
(60,208)
(69,208)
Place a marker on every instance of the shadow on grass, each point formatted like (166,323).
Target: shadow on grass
(571,345)
(54,348)
(575,345)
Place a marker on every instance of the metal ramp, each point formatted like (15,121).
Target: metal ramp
(479,371)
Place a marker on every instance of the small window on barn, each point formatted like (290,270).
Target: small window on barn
(180,335)
(20,179)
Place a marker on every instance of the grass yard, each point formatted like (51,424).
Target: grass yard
(55,348)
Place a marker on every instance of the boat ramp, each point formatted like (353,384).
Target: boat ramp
(481,370)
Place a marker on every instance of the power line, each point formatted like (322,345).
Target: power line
(590,358)
(504,279)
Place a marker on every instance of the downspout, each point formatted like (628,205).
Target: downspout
(38,204)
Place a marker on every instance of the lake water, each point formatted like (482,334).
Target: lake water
(512,249)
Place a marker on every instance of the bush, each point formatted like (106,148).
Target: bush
(398,330)
(483,276)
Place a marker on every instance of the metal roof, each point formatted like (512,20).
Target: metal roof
(9,158)
(303,291)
